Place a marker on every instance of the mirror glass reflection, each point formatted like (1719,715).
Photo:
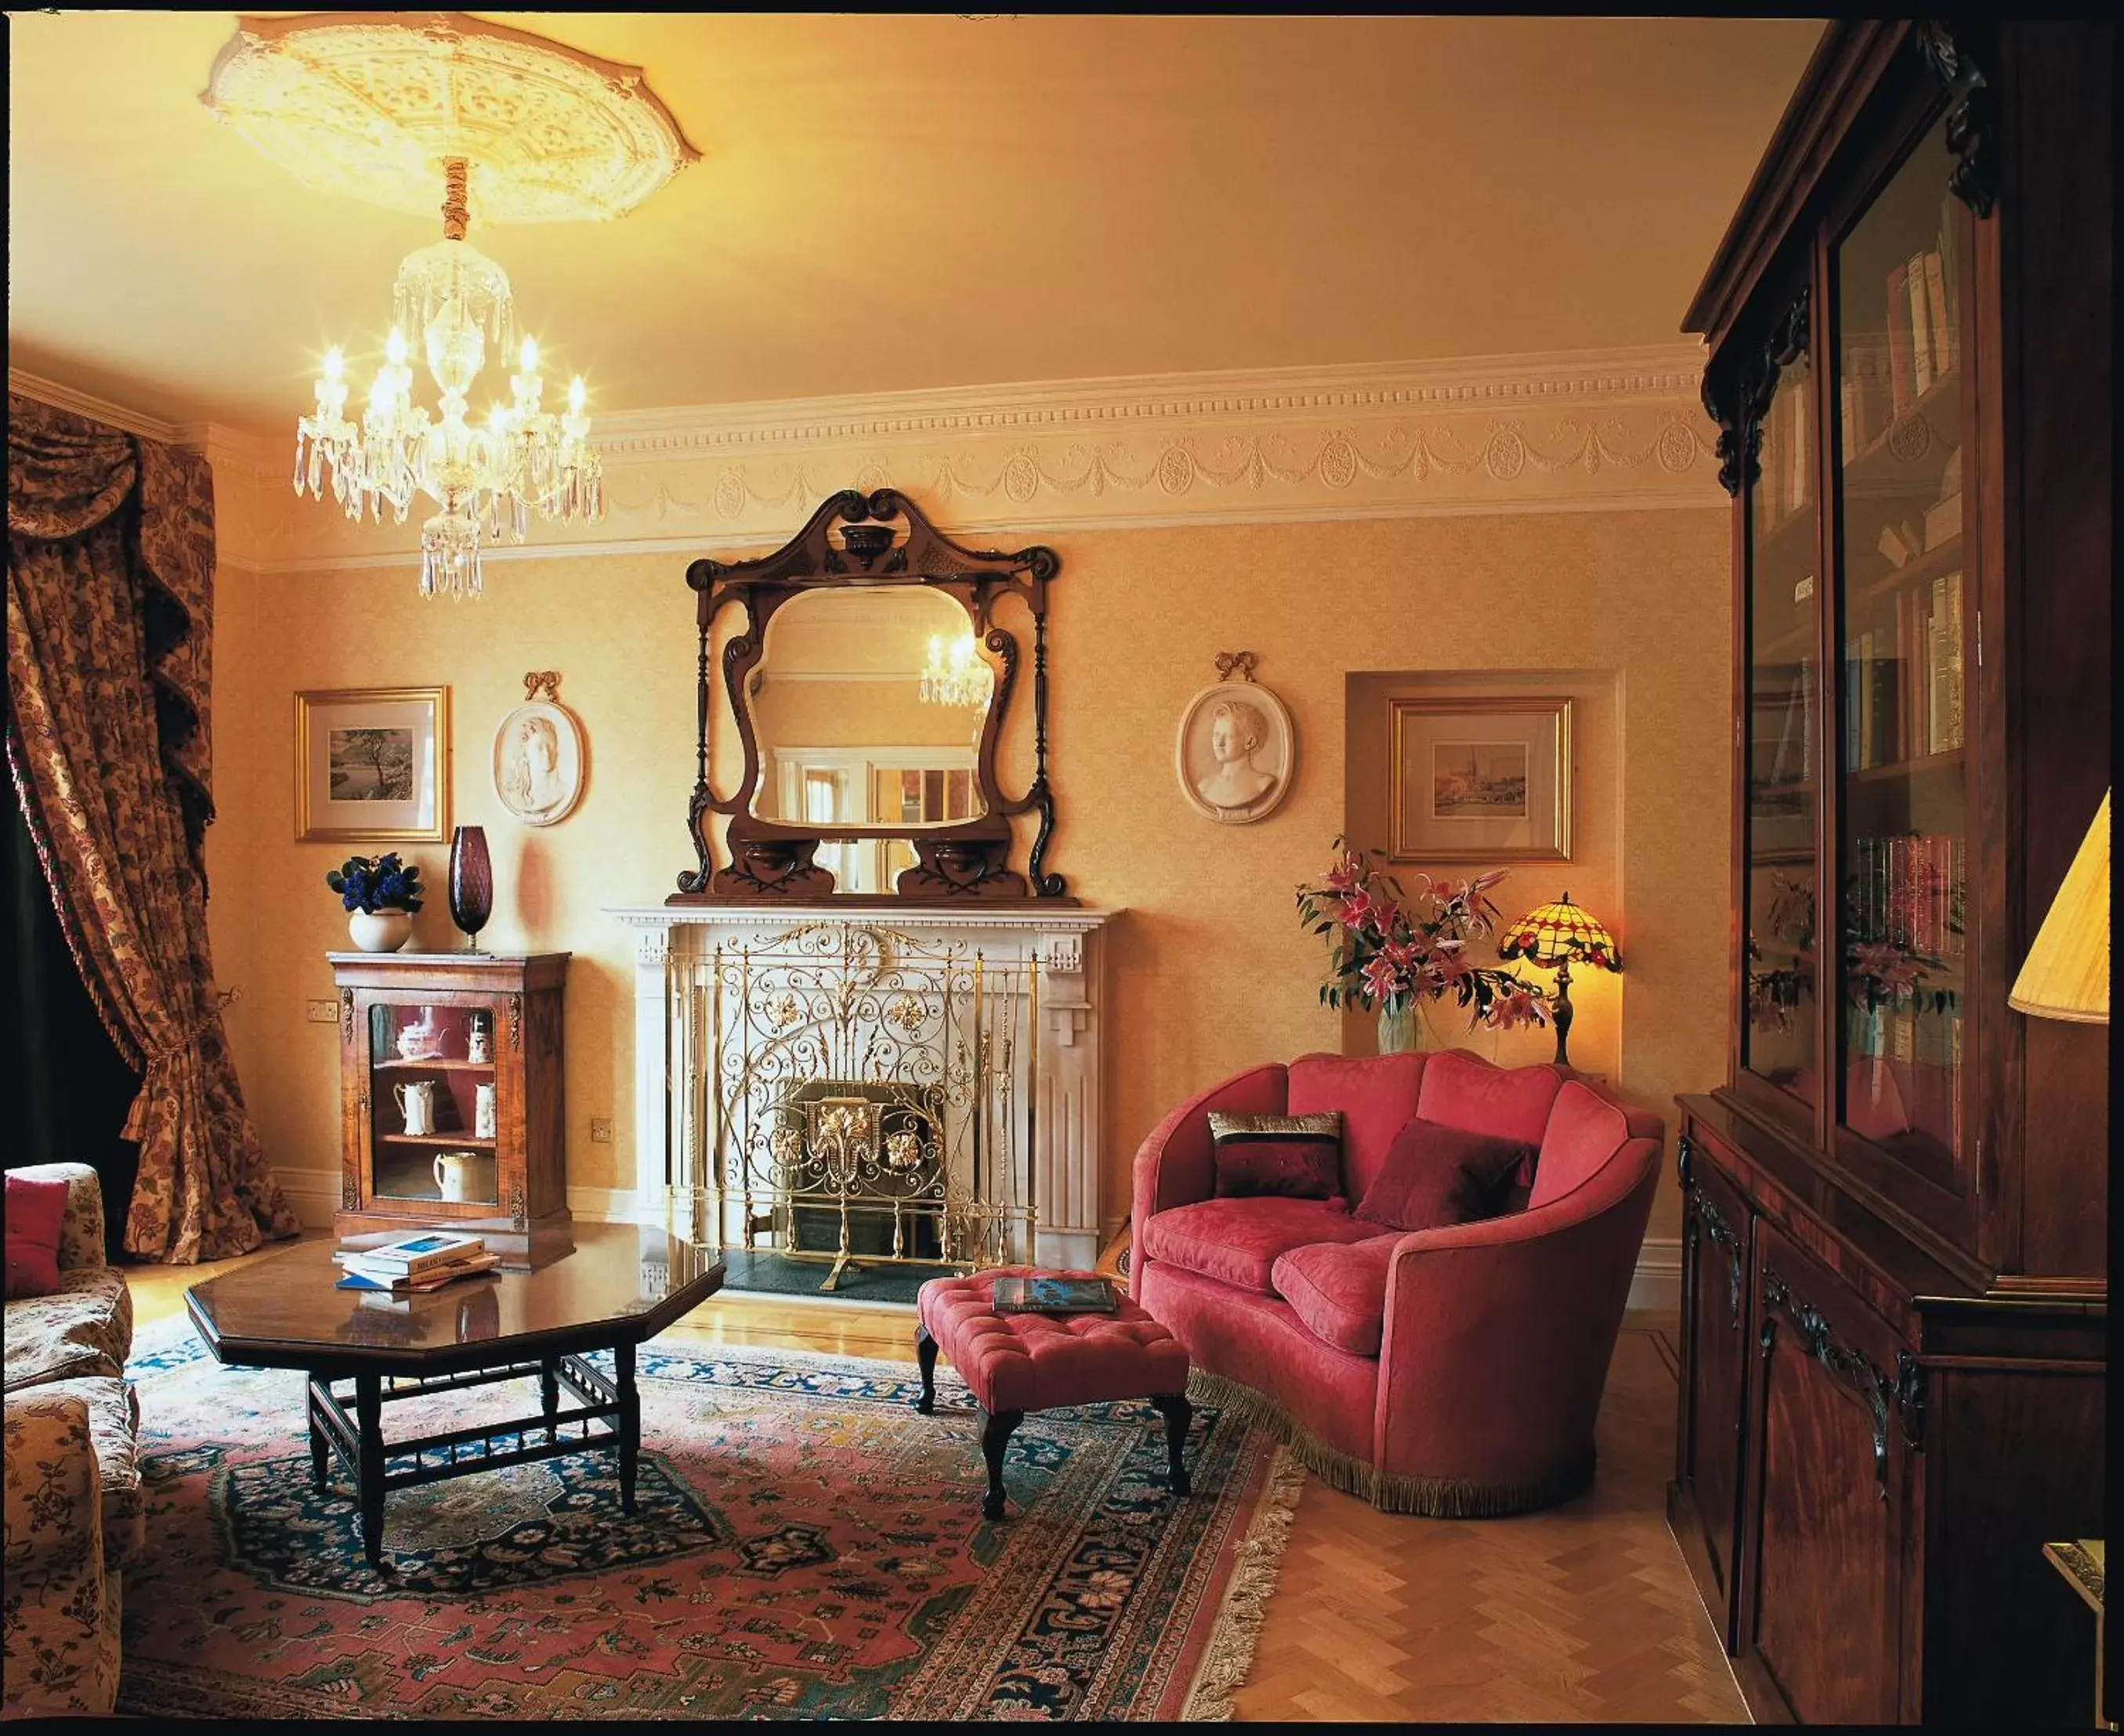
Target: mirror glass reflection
(867,705)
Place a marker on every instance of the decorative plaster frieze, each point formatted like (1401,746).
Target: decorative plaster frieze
(1572,432)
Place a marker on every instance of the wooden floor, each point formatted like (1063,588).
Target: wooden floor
(1584,1613)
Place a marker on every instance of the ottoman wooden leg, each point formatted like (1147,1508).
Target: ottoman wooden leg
(996,1432)
(925,1355)
(1178,1412)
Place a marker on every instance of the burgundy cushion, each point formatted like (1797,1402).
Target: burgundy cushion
(1376,1094)
(1294,1157)
(1029,1361)
(36,1212)
(1339,1289)
(1585,1131)
(1235,1241)
(1437,1174)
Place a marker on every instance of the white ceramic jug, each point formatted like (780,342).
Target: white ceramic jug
(417,1103)
(483,1113)
(466,1176)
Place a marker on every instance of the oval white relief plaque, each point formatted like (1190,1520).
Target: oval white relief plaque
(1237,750)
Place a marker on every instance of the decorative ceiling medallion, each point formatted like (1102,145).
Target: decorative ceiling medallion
(373,105)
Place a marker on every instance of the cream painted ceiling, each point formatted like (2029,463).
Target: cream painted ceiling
(889,203)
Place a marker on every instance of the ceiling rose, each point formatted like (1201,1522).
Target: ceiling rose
(373,104)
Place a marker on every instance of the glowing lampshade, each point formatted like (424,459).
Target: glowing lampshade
(2066,973)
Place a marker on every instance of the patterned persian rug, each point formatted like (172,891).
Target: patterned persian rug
(805,1546)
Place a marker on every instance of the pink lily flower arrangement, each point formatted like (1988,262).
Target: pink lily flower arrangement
(1386,950)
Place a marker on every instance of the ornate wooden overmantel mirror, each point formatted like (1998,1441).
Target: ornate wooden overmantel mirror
(870,680)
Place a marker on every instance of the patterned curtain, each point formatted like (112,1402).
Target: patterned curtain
(109,615)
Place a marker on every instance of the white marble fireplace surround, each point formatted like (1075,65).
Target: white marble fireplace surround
(1070,1088)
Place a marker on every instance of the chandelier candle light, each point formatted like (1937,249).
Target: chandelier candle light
(1561,934)
(450,297)
(956,675)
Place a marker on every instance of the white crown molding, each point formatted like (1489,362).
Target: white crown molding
(1565,431)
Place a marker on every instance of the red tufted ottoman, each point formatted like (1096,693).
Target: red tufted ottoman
(1016,1363)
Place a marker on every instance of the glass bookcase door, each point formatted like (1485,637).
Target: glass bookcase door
(431,1068)
(1782,756)
(1905,421)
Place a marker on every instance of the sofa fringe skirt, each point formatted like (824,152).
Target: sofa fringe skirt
(1436,1497)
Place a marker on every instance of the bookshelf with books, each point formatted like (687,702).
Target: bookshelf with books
(1895,1208)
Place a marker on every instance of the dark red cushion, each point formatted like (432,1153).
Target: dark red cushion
(35,1211)
(1281,1156)
(1437,1174)
(1339,1289)
(1235,1241)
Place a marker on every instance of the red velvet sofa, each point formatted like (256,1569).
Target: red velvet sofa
(1455,1372)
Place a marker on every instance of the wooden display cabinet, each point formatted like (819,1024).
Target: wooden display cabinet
(1895,1284)
(409,1028)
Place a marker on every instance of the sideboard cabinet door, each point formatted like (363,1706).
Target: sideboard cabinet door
(1821,1593)
(1708,1468)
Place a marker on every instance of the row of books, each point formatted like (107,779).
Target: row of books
(1921,341)
(1903,685)
(1907,892)
(425,1259)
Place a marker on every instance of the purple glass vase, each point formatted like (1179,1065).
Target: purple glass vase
(472,882)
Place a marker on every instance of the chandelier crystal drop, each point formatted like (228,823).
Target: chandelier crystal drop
(956,675)
(487,476)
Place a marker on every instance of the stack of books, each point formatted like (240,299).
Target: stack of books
(404,1265)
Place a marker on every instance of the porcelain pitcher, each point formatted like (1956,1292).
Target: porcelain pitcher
(417,1104)
(466,1176)
(483,1112)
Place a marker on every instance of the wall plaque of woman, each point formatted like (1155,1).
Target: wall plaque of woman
(1236,751)
(539,755)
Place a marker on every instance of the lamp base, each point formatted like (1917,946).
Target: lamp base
(1561,1018)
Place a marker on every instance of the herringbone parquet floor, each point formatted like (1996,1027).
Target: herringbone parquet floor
(1584,1613)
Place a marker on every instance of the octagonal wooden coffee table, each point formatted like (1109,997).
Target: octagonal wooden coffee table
(620,1286)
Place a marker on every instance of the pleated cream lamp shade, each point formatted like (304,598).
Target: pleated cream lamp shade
(2066,973)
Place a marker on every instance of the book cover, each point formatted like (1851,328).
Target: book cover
(354,1277)
(1951,729)
(1941,327)
(1053,1296)
(1914,286)
(420,1250)
(1902,393)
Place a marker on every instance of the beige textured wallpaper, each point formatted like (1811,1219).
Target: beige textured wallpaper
(1208,969)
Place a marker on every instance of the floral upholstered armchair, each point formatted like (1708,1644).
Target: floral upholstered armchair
(74,1516)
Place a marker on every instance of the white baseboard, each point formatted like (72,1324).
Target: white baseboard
(603,1205)
(1656,1283)
(314,1193)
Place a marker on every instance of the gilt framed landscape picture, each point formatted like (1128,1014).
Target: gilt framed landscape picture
(373,765)
(1480,779)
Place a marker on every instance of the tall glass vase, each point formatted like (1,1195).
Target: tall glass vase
(1399,1031)
(472,882)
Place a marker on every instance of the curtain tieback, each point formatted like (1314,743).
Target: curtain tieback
(186,1035)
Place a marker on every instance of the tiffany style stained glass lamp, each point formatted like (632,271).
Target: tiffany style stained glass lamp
(1558,935)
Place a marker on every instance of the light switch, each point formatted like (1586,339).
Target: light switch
(600,1130)
(323,1012)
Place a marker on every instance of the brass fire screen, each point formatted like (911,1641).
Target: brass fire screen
(852,1093)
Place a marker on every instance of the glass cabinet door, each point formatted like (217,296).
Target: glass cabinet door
(1781,755)
(1903,431)
(434,1114)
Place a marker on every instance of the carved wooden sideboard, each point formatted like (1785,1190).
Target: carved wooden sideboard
(1895,1281)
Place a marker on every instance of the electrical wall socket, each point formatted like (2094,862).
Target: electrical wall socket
(322,1013)
(600,1130)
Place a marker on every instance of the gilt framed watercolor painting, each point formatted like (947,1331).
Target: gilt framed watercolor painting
(373,765)
(1480,779)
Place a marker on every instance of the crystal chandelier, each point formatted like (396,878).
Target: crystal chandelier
(484,476)
(955,676)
